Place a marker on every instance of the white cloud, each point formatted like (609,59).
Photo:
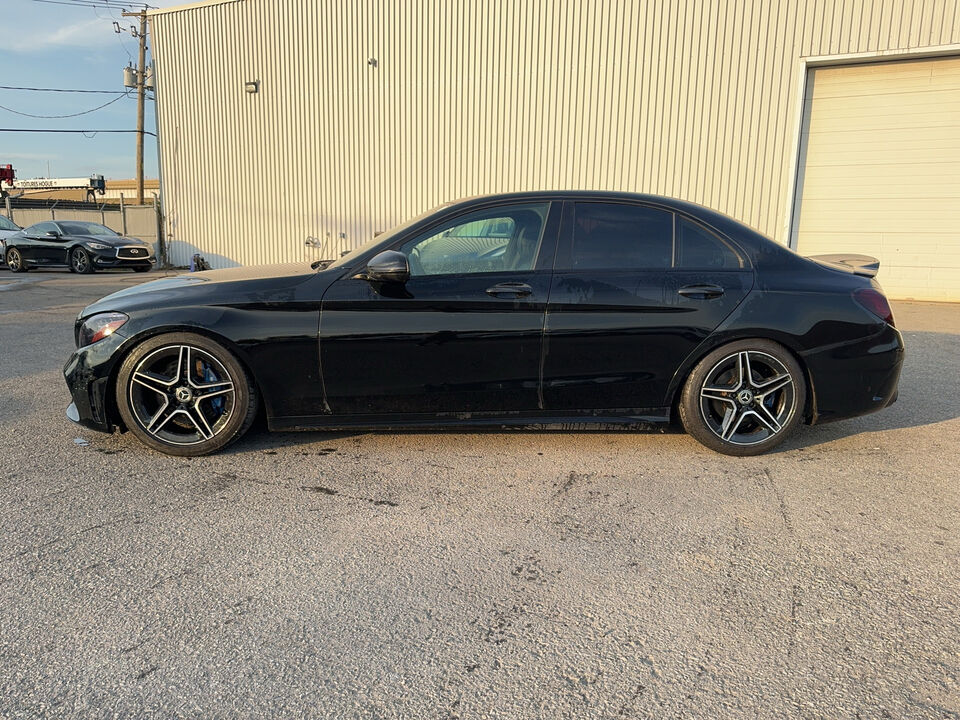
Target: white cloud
(26,156)
(86,33)
(31,29)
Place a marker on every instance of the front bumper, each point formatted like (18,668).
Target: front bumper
(105,259)
(87,373)
(856,378)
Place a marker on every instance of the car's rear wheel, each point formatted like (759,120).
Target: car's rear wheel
(184,394)
(15,261)
(744,398)
(80,261)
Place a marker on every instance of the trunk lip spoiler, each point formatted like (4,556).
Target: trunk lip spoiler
(864,265)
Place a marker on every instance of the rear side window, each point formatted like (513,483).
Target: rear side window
(699,249)
(611,236)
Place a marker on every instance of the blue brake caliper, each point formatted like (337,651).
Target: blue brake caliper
(217,402)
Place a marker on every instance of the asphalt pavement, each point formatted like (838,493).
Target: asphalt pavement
(502,574)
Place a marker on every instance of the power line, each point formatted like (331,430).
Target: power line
(91,3)
(120,4)
(116,21)
(57,117)
(63,90)
(88,133)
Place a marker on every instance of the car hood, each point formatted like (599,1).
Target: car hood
(211,287)
(107,240)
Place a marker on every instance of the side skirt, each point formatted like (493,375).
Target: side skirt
(646,419)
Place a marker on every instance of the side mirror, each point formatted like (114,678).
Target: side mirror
(53,234)
(388,266)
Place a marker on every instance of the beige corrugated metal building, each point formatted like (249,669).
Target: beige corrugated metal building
(831,125)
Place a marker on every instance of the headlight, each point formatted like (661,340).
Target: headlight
(97,246)
(97,327)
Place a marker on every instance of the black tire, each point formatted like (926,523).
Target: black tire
(141,269)
(80,261)
(15,260)
(741,418)
(172,393)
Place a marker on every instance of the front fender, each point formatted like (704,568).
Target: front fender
(277,345)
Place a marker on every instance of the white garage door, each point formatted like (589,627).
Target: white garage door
(880,172)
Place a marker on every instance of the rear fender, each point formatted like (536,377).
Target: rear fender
(803,321)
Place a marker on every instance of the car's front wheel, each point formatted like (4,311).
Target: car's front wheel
(80,261)
(744,398)
(15,261)
(184,394)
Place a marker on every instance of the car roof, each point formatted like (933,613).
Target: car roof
(572,195)
(719,221)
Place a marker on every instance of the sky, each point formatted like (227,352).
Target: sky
(68,44)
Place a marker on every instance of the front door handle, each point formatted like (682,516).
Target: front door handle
(510,289)
(701,292)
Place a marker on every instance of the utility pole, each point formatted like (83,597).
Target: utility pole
(141,80)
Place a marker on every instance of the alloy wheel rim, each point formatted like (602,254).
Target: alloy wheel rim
(181,395)
(79,260)
(14,260)
(748,397)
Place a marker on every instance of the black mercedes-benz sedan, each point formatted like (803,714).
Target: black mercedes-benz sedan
(84,247)
(522,309)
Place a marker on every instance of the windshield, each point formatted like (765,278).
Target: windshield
(6,224)
(382,238)
(86,228)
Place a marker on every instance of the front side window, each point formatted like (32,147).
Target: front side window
(612,236)
(498,239)
(41,229)
(381,239)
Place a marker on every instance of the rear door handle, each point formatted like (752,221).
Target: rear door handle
(701,292)
(510,289)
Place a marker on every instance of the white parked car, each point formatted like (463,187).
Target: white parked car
(7,228)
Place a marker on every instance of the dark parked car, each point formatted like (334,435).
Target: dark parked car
(7,228)
(82,246)
(520,309)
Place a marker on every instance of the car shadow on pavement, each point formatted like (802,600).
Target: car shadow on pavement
(260,440)
(929,388)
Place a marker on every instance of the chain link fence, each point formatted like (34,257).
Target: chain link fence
(144,222)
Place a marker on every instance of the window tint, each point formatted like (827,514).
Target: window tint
(42,228)
(6,224)
(492,240)
(622,237)
(698,248)
(86,228)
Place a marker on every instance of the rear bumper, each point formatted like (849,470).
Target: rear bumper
(855,378)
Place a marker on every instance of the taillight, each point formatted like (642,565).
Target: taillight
(875,302)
